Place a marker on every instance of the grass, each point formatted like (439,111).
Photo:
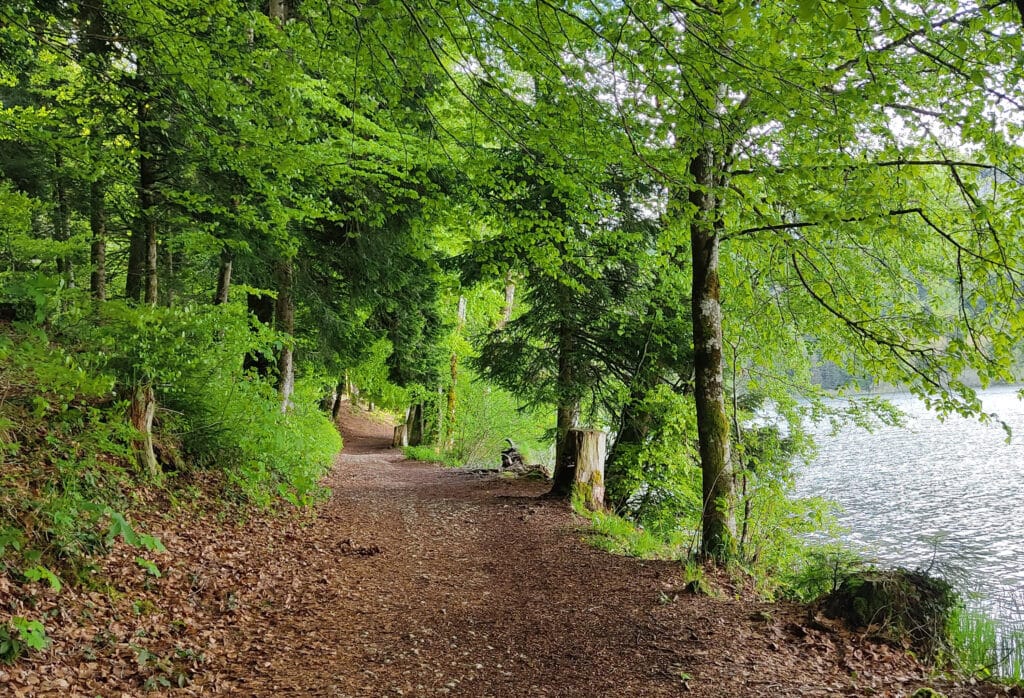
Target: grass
(980,646)
(621,536)
(429,454)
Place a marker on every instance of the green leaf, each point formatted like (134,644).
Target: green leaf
(38,572)
(806,9)
(149,566)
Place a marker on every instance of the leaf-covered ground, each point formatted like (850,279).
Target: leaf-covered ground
(412,580)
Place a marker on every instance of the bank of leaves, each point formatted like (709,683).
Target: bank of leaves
(70,485)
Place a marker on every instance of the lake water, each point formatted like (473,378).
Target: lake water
(941,495)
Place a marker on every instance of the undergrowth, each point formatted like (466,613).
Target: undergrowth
(430,454)
(69,480)
(621,536)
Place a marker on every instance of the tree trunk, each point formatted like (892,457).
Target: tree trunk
(141,413)
(401,436)
(414,425)
(568,412)
(147,201)
(98,247)
(62,220)
(94,34)
(718,519)
(170,269)
(449,426)
(136,274)
(510,296)
(278,9)
(262,308)
(141,282)
(284,314)
(339,397)
(586,449)
(220,297)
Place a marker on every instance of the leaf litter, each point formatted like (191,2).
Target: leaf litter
(412,580)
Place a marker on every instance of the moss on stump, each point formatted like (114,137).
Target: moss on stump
(909,607)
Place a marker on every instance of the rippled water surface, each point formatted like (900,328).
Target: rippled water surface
(945,495)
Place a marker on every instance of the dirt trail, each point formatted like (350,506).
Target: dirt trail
(418,581)
(443,582)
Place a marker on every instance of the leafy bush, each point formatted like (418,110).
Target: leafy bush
(813,571)
(66,443)
(656,484)
(427,454)
(658,481)
(223,418)
(488,415)
(20,635)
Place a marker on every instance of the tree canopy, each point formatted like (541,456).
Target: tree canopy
(684,205)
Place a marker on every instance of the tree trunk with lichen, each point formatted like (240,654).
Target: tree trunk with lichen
(718,540)
(414,426)
(400,439)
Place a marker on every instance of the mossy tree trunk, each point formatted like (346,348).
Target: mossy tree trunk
(414,425)
(718,518)
(401,436)
(567,414)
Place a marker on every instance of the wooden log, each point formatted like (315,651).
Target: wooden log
(401,437)
(587,450)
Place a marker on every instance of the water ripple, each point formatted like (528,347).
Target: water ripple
(945,495)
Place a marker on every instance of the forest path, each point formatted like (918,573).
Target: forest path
(416,580)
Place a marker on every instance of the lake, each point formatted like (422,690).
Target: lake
(941,495)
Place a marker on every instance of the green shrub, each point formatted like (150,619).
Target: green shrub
(487,415)
(426,454)
(20,635)
(816,570)
(66,443)
(657,483)
(223,418)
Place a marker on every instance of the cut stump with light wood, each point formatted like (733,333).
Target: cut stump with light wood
(586,447)
(401,437)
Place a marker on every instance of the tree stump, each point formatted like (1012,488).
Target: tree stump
(401,437)
(141,413)
(586,448)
